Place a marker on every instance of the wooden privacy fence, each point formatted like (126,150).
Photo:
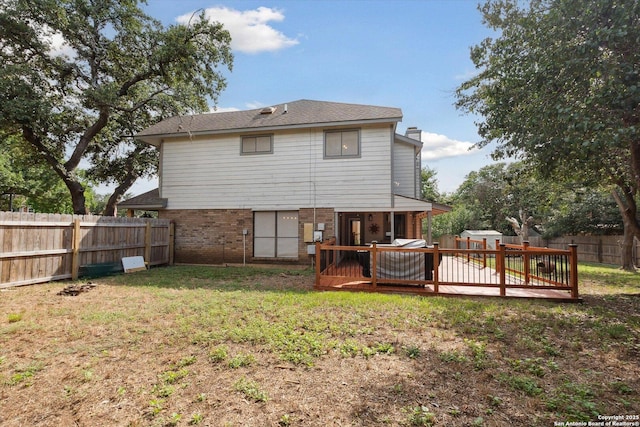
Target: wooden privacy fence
(597,249)
(37,248)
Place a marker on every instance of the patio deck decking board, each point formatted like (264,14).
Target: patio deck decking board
(460,277)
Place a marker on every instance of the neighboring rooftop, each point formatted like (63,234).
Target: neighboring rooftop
(146,201)
(301,113)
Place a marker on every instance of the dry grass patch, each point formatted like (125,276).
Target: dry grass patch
(253,347)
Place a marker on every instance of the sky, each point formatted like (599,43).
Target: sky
(410,54)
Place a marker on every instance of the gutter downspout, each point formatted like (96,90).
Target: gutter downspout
(393,199)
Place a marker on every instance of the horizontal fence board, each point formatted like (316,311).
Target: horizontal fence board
(35,281)
(37,248)
(37,253)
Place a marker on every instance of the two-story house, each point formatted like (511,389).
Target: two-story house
(260,185)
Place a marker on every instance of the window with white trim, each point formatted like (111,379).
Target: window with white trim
(257,144)
(275,234)
(343,143)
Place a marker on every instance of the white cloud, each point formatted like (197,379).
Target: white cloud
(250,30)
(437,146)
(59,46)
(248,106)
(253,105)
(223,109)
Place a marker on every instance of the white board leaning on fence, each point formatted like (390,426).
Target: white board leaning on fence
(133,263)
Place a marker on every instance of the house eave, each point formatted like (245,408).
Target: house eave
(157,139)
(409,141)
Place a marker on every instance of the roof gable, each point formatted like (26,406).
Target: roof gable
(302,113)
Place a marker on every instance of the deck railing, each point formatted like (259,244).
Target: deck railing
(378,266)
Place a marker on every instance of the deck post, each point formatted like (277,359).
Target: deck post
(468,248)
(573,265)
(436,265)
(484,253)
(374,264)
(503,274)
(498,266)
(525,261)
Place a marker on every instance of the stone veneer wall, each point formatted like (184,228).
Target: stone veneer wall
(214,236)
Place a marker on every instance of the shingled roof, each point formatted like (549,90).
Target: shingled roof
(301,113)
(146,201)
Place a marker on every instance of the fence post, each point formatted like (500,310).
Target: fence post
(436,265)
(503,275)
(374,264)
(147,242)
(75,250)
(525,261)
(573,266)
(172,237)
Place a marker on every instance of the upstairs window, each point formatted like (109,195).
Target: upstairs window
(339,144)
(258,144)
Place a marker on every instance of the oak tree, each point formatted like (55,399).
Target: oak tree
(78,78)
(559,87)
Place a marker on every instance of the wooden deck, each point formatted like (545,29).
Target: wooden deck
(456,277)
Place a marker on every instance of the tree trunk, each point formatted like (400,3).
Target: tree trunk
(77,197)
(628,209)
(127,182)
(627,248)
(525,226)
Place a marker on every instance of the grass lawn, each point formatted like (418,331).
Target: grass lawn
(216,346)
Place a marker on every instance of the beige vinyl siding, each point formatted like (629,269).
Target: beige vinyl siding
(210,173)
(404,174)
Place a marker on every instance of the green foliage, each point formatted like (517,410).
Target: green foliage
(573,400)
(14,317)
(455,222)
(421,416)
(24,374)
(156,406)
(503,190)
(523,383)
(453,356)
(489,195)
(241,360)
(171,377)
(250,389)
(558,87)
(583,211)
(196,419)
(412,351)
(429,184)
(218,354)
(118,72)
